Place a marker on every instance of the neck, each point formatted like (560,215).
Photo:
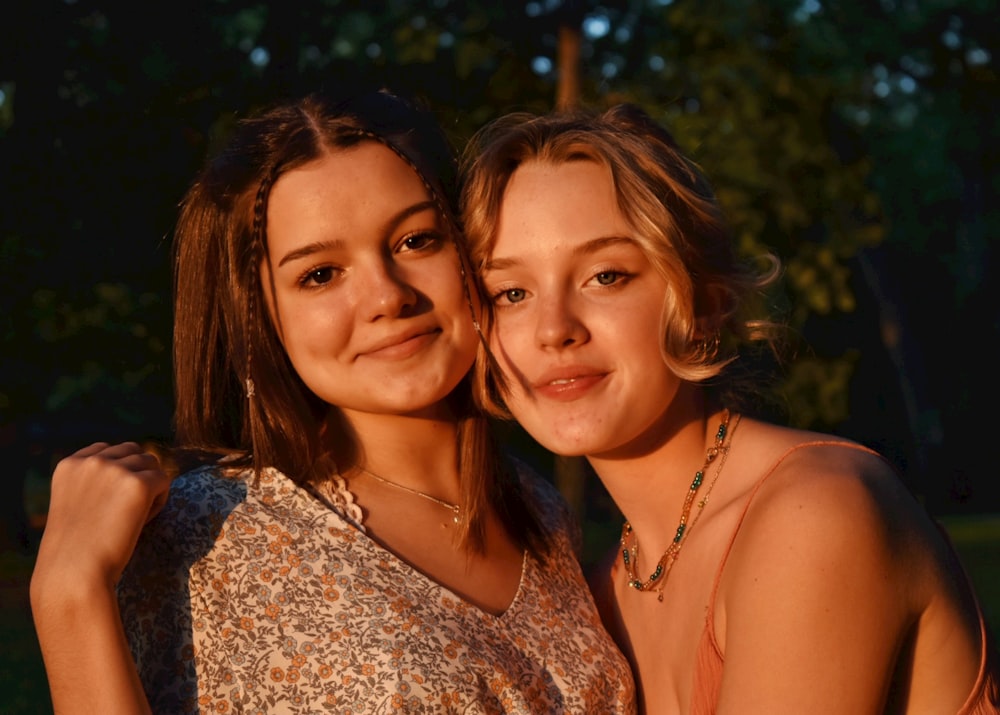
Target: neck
(650,489)
(419,451)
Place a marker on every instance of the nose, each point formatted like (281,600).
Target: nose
(384,290)
(560,324)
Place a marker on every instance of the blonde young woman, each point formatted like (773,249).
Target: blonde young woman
(350,540)
(761,569)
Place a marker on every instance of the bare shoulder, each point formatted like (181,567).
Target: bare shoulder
(782,446)
(829,500)
(835,570)
(803,470)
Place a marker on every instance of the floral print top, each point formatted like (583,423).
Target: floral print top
(257,597)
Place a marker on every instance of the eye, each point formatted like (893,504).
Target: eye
(510,296)
(419,240)
(317,276)
(607,278)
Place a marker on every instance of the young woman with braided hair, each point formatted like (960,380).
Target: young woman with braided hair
(352,540)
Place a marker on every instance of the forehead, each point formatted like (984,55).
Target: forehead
(567,181)
(364,171)
(545,199)
(343,191)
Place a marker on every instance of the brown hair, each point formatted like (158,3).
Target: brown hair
(666,201)
(225,344)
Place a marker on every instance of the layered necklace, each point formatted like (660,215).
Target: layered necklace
(455,509)
(630,553)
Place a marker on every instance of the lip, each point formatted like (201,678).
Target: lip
(401,345)
(568,383)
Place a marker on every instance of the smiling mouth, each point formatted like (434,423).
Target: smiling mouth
(404,347)
(569,388)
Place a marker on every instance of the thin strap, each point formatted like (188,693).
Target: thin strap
(986,690)
(710,611)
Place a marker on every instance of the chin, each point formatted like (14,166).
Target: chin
(566,445)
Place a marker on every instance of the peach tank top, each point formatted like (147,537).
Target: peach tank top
(983,700)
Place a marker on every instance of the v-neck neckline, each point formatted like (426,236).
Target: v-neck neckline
(333,510)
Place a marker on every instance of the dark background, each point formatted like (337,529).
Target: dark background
(857,140)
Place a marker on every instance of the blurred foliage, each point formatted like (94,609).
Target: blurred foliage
(856,140)
(116,319)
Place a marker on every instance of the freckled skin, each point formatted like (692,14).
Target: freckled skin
(373,312)
(575,293)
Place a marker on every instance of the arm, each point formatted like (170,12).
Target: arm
(817,594)
(101,498)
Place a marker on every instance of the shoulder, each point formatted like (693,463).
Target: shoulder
(829,507)
(211,482)
(801,470)
(198,505)
(204,491)
(833,565)
(204,500)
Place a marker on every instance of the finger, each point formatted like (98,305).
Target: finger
(127,455)
(97,477)
(122,449)
(139,461)
(100,450)
(90,450)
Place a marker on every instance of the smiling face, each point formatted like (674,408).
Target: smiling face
(368,298)
(578,306)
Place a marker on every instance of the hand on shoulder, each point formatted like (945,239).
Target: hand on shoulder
(102,496)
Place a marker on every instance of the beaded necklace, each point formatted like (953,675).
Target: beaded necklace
(630,554)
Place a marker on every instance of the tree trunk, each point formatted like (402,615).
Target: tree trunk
(568,63)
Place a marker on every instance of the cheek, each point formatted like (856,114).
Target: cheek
(505,346)
(466,348)
(314,331)
(511,357)
(458,316)
(301,358)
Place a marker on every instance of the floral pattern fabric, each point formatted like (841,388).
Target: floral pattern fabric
(255,597)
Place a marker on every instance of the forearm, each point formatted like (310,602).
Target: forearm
(87,659)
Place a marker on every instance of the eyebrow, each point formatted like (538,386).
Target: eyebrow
(317,246)
(591,246)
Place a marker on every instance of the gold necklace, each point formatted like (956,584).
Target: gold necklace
(663,567)
(455,509)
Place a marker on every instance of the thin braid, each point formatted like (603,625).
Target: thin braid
(258,243)
(474,529)
(442,207)
(436,195)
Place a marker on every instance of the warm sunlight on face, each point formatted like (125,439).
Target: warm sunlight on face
(369,298)
(578,309)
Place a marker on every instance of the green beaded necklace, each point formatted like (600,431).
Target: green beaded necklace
(630,554)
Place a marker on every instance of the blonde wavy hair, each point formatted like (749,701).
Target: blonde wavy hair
(668,204)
